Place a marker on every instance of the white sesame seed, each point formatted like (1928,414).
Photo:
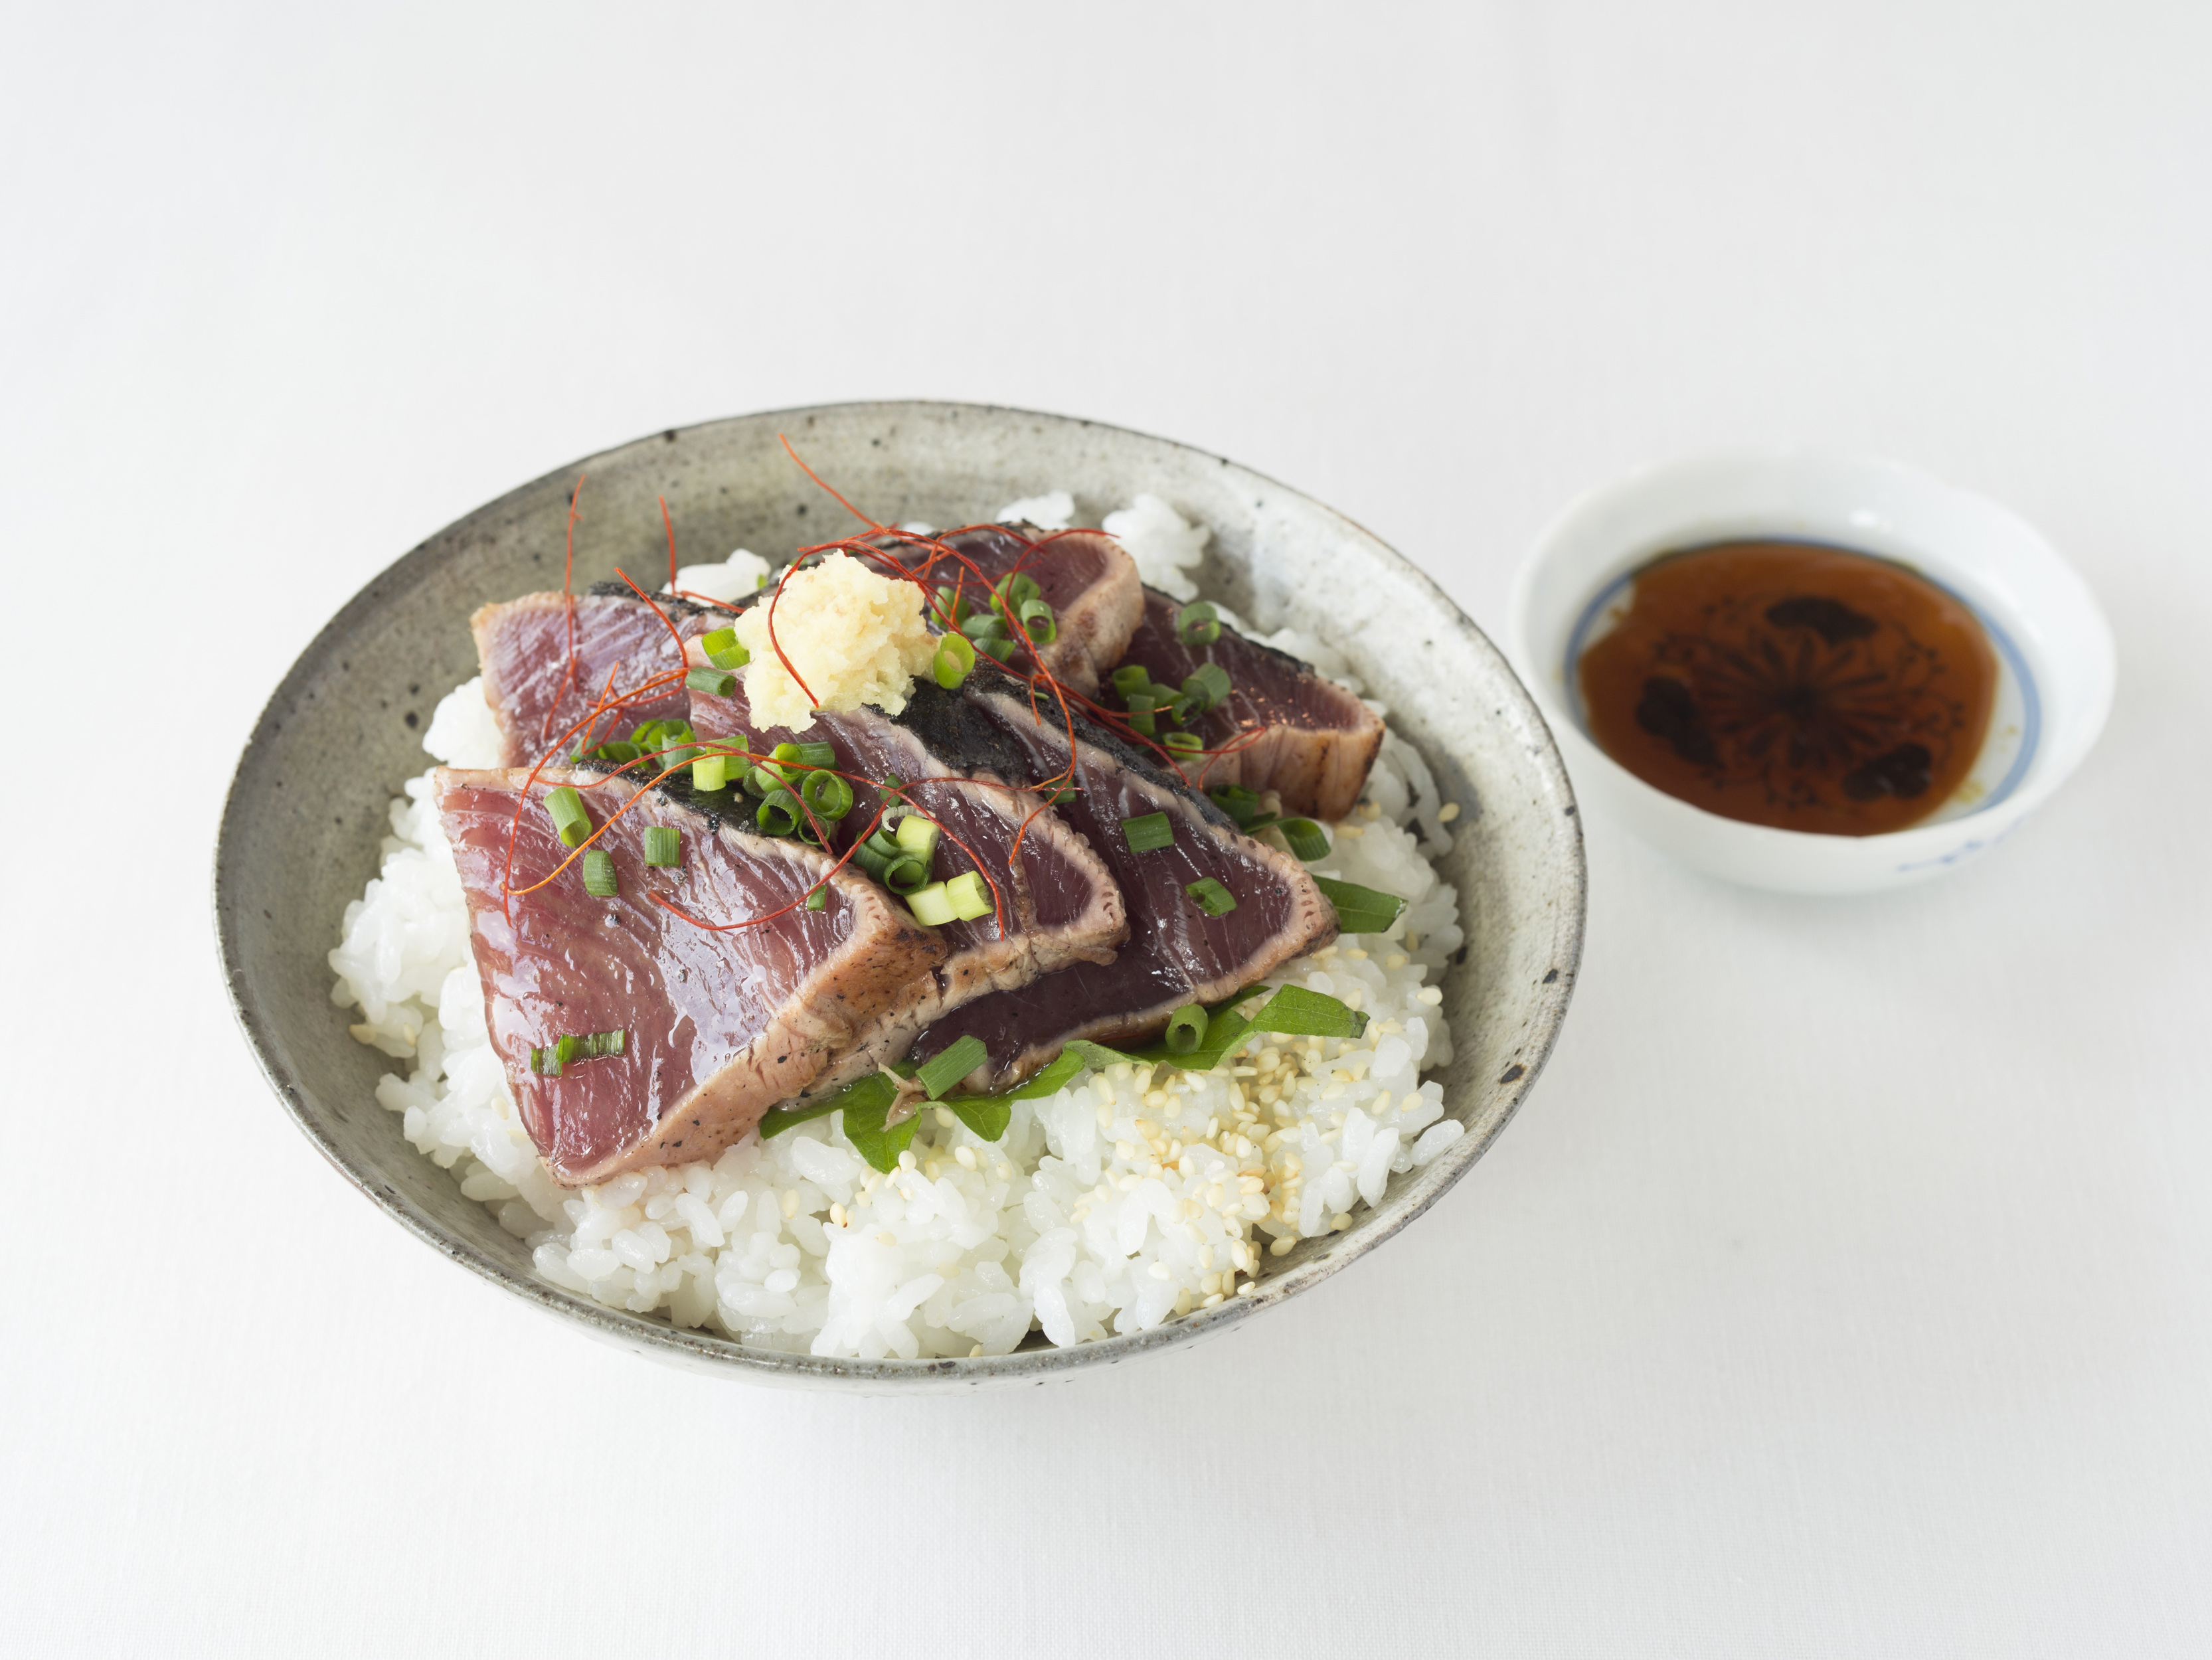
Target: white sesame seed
(791,1202)
(966,1156)
(1432,995)
(1342,1220)
(945,1118)
(1159,1270)
(1447,813)
(977,1350)
(1281,1247)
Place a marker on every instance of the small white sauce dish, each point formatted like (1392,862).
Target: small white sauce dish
(2054,648)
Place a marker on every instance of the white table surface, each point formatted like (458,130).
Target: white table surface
(1844,1288)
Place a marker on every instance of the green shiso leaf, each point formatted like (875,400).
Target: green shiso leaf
(1359,911)
(1295,1011)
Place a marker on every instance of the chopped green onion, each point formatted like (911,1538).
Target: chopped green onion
(1225,1029)
(778,814)
(807,755)
(918,836)
(1141,721)
(599,874)
(992,627)
(711,772)
(968,897)
(1359,911)
(719,640)
(879,853)
(1184,743)
(731,657)
(763,781)
(830,796)
(1037,618)
(1065,792)
(1305,838)
(818,899)
(1012,592)
(930,907)
(941,1071)
(545,1063)
(1298,1013)
(1132,678)
(1186,1029)
(719,683)
(1206,688)
(955,658)
(1212,898)
(679,744)
(566,1048)
(1148,832)
(1198,624)
(613,753)
(905,875)
(1239,803)
(647,736)
(664,844)
(566,809)
(999,650)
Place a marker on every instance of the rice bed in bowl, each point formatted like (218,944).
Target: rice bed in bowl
(1133,1195)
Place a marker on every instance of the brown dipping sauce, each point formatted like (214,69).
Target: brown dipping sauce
(1792,684)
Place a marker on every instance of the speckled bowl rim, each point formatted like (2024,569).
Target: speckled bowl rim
(724,1356)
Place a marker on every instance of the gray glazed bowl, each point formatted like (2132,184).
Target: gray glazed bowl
(307,808)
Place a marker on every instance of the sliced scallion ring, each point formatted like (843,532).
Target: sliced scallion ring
(1305,838)
(1199,624)
(955,658)
(599,874)
(778,814)
(830,796)
(930,907)
(1212,898)
(918,836)
(664,845)
(1132,678)
(968,897)
(1186,1029)
(1148,832)
(566,809)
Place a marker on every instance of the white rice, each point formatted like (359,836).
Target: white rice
(1127,1199)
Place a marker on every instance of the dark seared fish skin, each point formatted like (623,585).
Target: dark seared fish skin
(1089,583)
(1317,741)
(523,647)
(1062,903)
(720,1026)
(1176,953)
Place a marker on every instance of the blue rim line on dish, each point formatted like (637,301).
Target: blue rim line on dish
(2032,714)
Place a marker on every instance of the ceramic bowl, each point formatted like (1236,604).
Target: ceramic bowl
(2054,648)
(307,809)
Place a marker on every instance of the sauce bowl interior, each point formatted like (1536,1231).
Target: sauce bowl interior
(2054,648)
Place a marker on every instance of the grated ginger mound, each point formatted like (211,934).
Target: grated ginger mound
(855,636)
